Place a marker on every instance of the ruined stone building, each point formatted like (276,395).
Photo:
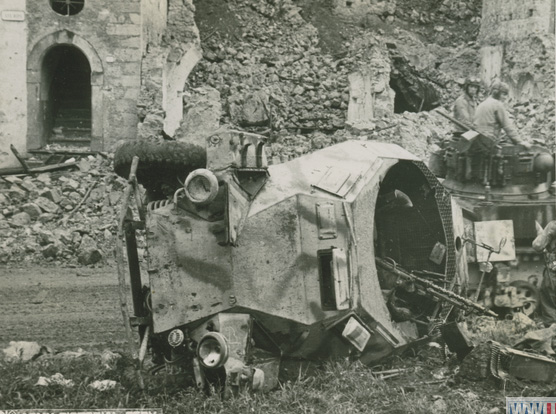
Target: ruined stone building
(70,70)
(516,39)
(87,72)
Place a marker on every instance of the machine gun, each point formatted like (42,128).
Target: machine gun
(472,136)
(433,289)
(463,125)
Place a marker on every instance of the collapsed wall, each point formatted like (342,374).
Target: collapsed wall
(171,49)
(517,46)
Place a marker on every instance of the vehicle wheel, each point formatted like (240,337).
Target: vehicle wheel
(528,294)
(162,165)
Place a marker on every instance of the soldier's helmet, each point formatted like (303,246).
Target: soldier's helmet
(471,81)
(499,87)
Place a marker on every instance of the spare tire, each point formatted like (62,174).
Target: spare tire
(162,164)
(529,294)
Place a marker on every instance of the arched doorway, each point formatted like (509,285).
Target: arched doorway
(68,61)
(66,75)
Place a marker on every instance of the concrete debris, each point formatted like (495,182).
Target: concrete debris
(38,220)
(56,379)
(51,250)
(201,115)
(32,210)
(109,358)
(439,404)
(22,351)
(88,252)
(20,219)
(103,385)
(46,205)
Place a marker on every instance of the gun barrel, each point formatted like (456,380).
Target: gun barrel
(455,121)
(434,290)
(463,124)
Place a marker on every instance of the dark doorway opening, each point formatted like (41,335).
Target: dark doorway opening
(66,75)
(401,104)
(413,94)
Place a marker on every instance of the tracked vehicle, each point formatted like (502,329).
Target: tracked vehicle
(346,252)
(501,190)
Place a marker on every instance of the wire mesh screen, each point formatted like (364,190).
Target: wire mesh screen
(445,208)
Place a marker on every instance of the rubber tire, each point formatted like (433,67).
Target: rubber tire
(533,289)
(162,164)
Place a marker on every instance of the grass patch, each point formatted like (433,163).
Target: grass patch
(339,387)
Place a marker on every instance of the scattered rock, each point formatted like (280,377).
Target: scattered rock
(56,379)
(45,237)
(109,358)
(32,210)
(46,217)
(51,250)
(84,165)
(103,385)
(46,205)
(28,185)
(439,405)
(3,200)
(88,252)
(22,351)
(52,194)
(20,219)
(16,194)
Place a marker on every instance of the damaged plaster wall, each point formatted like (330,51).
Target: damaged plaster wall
(360,108)
(179,64)
(154,14)
(514,34)
(370,95)
(171,49)
(510,20)
(201,115)
(13,98)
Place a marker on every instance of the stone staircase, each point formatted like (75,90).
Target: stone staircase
(72,126)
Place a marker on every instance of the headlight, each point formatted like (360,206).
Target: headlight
(175,338)
(201,186)
(212,350)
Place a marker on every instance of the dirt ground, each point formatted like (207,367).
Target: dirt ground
(64,308)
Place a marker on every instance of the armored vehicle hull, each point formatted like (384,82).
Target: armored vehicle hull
(249,264)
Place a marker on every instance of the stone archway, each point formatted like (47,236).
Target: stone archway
(38,84)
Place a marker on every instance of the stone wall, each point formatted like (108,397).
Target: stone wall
(109,34)
(517,46)
(509,20)
(154,14)
(13,98)
(171,51)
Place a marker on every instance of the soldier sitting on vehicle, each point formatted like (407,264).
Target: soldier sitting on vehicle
(491,117)
(466,104)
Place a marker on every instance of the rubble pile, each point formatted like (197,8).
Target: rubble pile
(272,67)
(67,217)
(446,10)
(279,67)
(274,78)
(535,121)
(419,133)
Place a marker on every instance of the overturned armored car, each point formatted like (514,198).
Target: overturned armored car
(250,263)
